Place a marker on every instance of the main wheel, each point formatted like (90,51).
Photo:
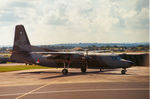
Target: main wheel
(101,70)
(83,69)
(65,71)
(123,72)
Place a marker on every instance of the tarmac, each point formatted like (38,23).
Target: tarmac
(51,84)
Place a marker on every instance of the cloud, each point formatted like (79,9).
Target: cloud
(20,4)
(140,4)
(8,16)
(73,21)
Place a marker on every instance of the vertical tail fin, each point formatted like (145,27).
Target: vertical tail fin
(21,41)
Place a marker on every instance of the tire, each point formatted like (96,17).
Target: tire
(65,71)
(83,69)
(123,72)
(101,70)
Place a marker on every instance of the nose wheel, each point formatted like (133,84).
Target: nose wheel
(124,71)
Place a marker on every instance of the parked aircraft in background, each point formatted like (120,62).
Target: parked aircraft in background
(4,59)
(24,52)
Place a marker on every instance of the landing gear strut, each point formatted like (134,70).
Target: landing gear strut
(83,69)
(101,70)
(65,70)
(124,71)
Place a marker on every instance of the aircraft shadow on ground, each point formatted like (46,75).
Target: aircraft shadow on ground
(37,72)
(105,72)
(77,73)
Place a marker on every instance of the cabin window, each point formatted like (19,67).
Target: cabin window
(115,58)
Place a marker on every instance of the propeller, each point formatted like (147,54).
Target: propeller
(86,57)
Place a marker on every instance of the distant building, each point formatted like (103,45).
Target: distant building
(78,49)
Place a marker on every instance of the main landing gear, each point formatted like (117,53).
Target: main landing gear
(123,71)
(84,66)
(101,70)
(65,70)
(83,69)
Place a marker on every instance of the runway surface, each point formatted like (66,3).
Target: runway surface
(51,84)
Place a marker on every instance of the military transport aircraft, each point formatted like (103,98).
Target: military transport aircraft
(24,52)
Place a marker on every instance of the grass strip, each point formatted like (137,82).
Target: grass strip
(21,67)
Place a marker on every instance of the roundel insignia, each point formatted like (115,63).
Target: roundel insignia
(38,61)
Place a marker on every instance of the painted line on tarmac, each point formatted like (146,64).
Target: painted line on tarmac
(34,90)
(81,90)
(87,90)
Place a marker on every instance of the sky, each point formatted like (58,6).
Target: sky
(75,21)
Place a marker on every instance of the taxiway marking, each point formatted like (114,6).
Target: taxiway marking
(34,90)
